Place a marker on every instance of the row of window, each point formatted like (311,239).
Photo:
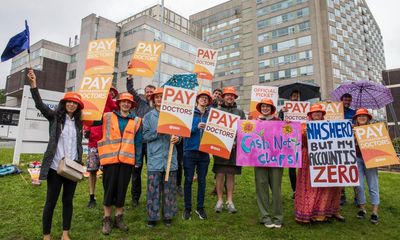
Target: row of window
(229,55)
(171,40)
(283,18)
(229,47)
(177,62)
(281,46)
(42,52)
(228,64)
(71,74)
(222,33)
(221,25)
(277,6)
(304,26)
(224,40)
(287,59)
(287,73)
(229,72)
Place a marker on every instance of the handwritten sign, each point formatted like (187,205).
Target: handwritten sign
(376,147)
(219,134)
(332,154)
(269,144)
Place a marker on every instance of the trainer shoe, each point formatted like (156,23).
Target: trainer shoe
(92,203)
(168,222)
(231,207)
(219,206)
(151,224)
(374,219)
(187,214)
(201,213)
(361,214)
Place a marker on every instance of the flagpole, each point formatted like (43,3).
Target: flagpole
(161,40)
(29,59)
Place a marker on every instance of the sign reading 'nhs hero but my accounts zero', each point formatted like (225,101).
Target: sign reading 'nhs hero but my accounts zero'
(332,154)
(177,111)
(269,144)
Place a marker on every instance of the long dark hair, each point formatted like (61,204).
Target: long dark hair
(61,114)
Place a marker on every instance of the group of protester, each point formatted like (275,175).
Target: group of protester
(127,135)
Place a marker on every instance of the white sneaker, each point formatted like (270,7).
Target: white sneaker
(277,225)
(231,207)
(269,225)
(219,206)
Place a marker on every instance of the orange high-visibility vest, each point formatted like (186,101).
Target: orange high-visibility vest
(114,148)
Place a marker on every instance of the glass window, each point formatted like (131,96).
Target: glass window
(303,41)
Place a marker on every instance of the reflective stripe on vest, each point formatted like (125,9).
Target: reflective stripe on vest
(114,148)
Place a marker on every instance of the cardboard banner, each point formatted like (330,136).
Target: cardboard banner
(100,57)
(177,111)
(257,94)
(205,64)
(332,154)
(94,91)
(269,144)
(296,111)
(219,134)
(334,110)
(144,60)
(376,147)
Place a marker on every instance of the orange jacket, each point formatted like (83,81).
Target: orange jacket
(114,148)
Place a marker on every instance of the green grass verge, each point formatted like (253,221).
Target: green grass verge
(21,207)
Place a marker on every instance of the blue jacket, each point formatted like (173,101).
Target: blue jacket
(157,145)
(349,113)
(193,143)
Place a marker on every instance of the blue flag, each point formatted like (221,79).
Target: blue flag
(17,44)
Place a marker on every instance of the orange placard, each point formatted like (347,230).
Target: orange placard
(296,111)
(205,64)
(100,57)
(144,60)
(334,110)
(94,91)
(219,134)
(177,111)
(258,93)
(376,147)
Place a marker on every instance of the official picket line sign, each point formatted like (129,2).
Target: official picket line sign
(296,111)
(269,144)
(144,60)
(260,92)
(375,145)
(206,61)
(334,110)
(219,133)
(100,57)
(332,154)
(94,91)
(177,111)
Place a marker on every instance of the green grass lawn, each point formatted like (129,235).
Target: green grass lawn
(21,207)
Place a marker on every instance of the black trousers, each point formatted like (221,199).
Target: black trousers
(116,178)
(136,188)
(292,177)
(179,149)
(54,184)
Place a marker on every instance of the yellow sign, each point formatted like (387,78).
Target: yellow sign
(376,147)
(334,110)
(100,57)
(94,91)
(205,64)
(144,60)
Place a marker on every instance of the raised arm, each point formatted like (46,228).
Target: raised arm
(43,108)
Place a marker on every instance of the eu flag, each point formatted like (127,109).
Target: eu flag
(17,44)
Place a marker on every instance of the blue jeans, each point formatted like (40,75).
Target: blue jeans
(371,175)
(195,160)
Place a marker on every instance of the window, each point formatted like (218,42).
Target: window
(128,52)
(71,74)
(303,41)
(264,63)
(264,78)
(73,58)
(234,54)
(277,6)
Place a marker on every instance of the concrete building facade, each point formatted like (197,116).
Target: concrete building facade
(179,36)
(277,42)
